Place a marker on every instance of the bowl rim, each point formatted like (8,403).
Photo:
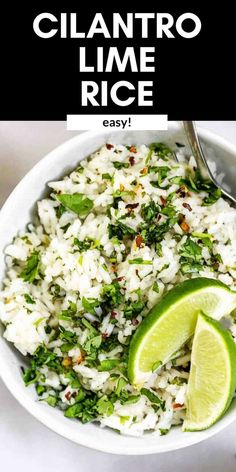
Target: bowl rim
(24,399)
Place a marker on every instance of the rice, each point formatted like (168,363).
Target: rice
(122,229)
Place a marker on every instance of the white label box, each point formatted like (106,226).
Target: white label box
(119,122)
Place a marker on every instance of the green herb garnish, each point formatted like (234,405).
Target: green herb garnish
(70,313)
(31,269)
(120,165)
(120,230)
(108,364)
(139,260)
(152,397)
(28,299)
(89,304)
(77,203)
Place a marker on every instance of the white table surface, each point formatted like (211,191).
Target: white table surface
(25,444)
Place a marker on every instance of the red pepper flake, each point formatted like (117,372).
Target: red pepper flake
(133,149)
(136,272)
(104,336)
(68,395)
(177,405)
(163,201)
(131,206)
(113,314)
(144,171)
(132,160)
(119,279)
(186,205)
(109,146)
(134,322)
(79,359)
(184,226)
(183,191)
(158,218)
(139,240)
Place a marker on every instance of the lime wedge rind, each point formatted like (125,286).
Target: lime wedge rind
(172,322)
(212,380)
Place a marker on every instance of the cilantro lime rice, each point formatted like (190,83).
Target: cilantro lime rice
(123,228)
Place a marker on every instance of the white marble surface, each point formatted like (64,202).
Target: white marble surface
(25,444)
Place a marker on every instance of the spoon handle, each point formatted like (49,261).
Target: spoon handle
(191,132)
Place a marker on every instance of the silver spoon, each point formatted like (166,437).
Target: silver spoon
(192,137)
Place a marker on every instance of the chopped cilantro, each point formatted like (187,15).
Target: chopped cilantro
(108,364)
(120,230)
(213,197)
(152,397)
(66,335)
(106,176)
(197,184)
(60,210)
(139,260)
(28,299)
(154,233)
(169,210)
(161,149)
(205,238)
(120,165)
(40,389)
(124,193)
(31,269)
(79,169)
(191,250)
(150,212)
(77,203)
(104,406)
(66,347)
(111,294)
(30,376)
(70,313)
(155,287)
(74,411)
(89,304)
(133,309)
(73,379)
(163,431)
(51,400)
(120,385)
(83,245)
(91,345)
(85,410)
(201,235)
(177,180)
(162,173)
(55,290)
(129,400)
(191,257)
(80,396)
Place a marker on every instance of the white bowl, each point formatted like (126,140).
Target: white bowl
(14,215)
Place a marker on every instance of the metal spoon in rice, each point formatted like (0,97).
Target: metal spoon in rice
(205,171)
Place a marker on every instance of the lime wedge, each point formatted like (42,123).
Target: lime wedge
(212,380)
(172,322)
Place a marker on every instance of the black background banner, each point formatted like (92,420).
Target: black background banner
(40,78)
